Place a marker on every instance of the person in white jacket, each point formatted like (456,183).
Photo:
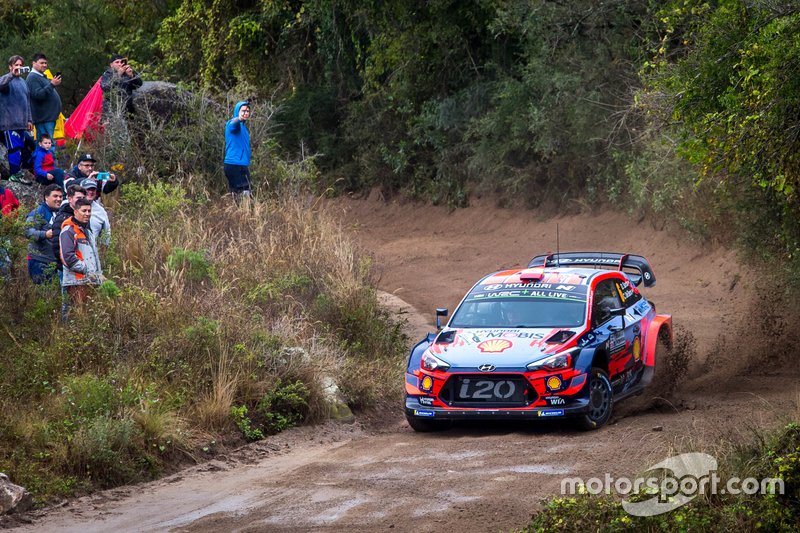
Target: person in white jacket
(99,225)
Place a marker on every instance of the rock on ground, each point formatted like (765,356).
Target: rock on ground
(13,498)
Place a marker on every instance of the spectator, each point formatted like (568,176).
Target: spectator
(74,193)
(237,151)
(44,163)
(45,101)
(82,270)
(42,264)
(8,201)
(8,204)
(15,117)
(118,83)
(85,169)
(99,224)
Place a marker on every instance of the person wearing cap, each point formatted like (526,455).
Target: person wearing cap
(118,82)
(99,224)
(237,151)
(85,169)
(74,193)
(42,264)
(82,268)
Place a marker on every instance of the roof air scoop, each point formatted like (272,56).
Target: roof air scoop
(530,275)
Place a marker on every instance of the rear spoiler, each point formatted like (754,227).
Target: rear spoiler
(643,270)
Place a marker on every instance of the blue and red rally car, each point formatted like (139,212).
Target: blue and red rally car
(568,336)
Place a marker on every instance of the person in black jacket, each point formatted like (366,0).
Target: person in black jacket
(45,101)
(42,263)
(118,82)
(85,169)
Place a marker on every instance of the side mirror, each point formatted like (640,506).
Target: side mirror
(440,312)
(621,311)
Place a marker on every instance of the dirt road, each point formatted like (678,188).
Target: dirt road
(473,477)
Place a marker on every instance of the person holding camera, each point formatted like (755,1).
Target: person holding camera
(107,182)
(15,116)
(118,83)
(45,101)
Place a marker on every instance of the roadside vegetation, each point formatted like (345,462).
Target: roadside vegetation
(773,455)
(219,324)
(220,319)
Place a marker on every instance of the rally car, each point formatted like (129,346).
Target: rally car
(568,336)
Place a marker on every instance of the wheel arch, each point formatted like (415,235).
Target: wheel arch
(660,327)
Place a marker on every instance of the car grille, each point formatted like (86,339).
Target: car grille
(490,391)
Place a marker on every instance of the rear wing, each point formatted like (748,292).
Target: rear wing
(636,267)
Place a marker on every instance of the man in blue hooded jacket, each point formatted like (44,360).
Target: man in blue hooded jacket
(237,151)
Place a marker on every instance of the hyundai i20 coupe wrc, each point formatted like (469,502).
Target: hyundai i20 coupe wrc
(568,336)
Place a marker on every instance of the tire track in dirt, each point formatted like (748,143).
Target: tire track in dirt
(476,477)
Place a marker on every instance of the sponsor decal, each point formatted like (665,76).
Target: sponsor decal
(486,368)
(616,341)
(425,400)
(494,345)
(587,339)
(554,383)
(555,400)
(427,384)
(423,412)
(637,349)
(552,412)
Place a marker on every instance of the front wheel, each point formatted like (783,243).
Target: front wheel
(601,401)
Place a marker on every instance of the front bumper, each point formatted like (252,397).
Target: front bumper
(416,409)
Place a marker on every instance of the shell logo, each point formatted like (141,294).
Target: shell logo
(494,345)
(637,349)
(554,383)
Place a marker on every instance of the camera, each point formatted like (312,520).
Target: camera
(102,176)
(23,70)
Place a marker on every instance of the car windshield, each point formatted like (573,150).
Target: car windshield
(528,306)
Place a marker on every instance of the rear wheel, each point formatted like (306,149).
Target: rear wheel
(426,425)
(601,401)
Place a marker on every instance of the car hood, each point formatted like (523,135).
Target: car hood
(502,347)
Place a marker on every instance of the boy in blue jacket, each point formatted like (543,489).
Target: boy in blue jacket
(44,163)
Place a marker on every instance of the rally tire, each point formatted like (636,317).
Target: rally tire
(601,401)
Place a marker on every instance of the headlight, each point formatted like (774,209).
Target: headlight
(558,361)
(431,362)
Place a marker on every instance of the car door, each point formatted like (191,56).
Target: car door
(617,332)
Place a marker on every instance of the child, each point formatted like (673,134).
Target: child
(44,163)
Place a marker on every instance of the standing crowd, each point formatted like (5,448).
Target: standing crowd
(65,229)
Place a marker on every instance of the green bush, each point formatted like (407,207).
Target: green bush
(245,425)
(285,406)
(195,265)
(106,450)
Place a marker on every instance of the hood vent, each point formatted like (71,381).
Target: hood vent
(560,337)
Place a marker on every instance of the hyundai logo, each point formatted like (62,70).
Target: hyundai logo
(486,368)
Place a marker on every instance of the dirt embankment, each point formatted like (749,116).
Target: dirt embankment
(487,477)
